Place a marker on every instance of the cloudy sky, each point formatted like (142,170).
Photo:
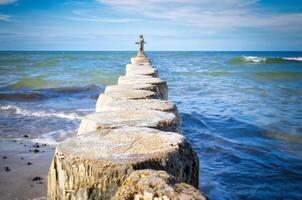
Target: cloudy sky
(166,24)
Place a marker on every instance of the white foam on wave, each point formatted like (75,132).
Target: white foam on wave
(39,113)
(294,59)
(47,141)
(254,59)
(54,137)
(86,109)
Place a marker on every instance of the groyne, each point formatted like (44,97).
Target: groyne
(132,147)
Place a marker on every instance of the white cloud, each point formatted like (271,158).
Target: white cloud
(214,14)
(80,15)
(5,17)
(101,20)
(5,2)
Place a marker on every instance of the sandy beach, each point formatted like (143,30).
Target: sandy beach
(24,166)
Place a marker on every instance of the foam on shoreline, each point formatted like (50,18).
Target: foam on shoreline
(37,113)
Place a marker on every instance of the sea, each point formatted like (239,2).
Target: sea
(241,111)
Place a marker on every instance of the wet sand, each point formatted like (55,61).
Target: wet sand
(24,167)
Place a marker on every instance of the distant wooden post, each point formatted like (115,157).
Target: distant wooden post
(141,44)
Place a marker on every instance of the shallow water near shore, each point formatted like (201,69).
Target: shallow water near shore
(241,111)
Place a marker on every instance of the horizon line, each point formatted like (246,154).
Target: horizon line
(151,50)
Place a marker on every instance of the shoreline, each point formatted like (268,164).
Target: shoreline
(24,167)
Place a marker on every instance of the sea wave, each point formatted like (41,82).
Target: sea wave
(299,59)
(264,60)
(73,89)
(39,113)
(38,83)
(12,60)
(35,83)
(46,63)
(54,137)
(42,94)
(66,56)
(219,73)
(22,96)
(279,75)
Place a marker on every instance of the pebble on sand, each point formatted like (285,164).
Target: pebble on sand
(36,151)
(37,178)
(7,169)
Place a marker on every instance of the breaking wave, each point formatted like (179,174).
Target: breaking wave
(39,113)
(264,60)
(22,96)
(298,59)
(36,83)
(72,89)
(54,137)
(280,75)
(41,94)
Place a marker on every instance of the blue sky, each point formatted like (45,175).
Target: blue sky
(166,24)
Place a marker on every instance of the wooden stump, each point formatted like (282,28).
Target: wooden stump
(140,104)
(125,95)
(141,70)
(132,118)
(161,85)
(141,64)
(124,87)
(140,60)
(93,165)
(151,184)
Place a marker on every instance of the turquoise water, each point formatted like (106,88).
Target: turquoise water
(241,111)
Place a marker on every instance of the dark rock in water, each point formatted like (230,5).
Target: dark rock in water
(26,136)
(40,182)
(29,163)
(36,145)
(36,151)
(22,158)
(7,169)
(30,150)
(14,140)
(4,157)
(44,145)
(37,178)
(25,145)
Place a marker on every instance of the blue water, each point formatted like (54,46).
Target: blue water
(241,111)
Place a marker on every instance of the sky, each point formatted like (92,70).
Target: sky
(188,25)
